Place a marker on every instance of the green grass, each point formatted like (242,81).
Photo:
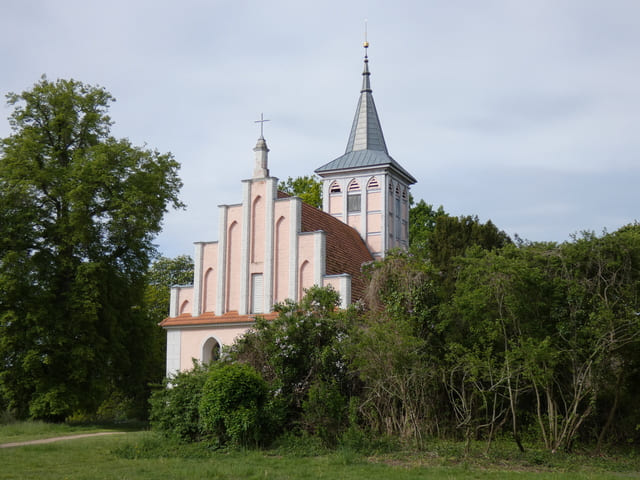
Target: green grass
(144,455)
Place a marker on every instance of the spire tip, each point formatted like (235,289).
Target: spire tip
(366,42)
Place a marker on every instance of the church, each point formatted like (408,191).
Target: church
(272,246)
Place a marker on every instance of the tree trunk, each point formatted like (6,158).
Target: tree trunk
(610,417)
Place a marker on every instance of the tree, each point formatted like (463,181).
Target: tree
(308,188)
(504,300)
(397,351)
(163,274)
(452,236)
(78,212)
(422,223)
(554,328)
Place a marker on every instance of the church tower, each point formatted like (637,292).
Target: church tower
(366,188)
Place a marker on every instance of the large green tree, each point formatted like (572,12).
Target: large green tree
(308,188)
(162,275)
(78,212)
(422,223)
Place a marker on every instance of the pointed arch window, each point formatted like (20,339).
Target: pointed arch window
(335,187)
(185,307)
(373,184)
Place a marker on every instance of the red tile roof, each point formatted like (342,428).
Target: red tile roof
(210,318)
(345,248)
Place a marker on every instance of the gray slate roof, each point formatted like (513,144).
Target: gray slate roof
(366,146)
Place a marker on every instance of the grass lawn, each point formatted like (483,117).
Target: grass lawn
(142,455)
(24,431)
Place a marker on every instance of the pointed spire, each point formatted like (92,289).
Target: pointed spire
(366,83)
(366,148)
(366,131)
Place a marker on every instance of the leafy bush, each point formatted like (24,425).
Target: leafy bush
(232,406)
(324,411)
(174,408)
(303,346)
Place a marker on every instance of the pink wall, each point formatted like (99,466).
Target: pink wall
(374,201)
(281,260)
(374,242)
(334,282)
(193,339)
(306,244)
(234,251)
(305,278)
(257,222)
(185,299)
(209,276)
(335,203)
(374,222)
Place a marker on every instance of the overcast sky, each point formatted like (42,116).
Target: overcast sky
(523,112)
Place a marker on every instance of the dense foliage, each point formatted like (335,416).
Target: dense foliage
(233,405)
(162,275)
(466,336)
(308,188)
(537,340)
(78,212)
(288,374)
(302,355)
(175,407)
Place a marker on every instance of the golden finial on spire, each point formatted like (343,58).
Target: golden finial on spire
(366,43)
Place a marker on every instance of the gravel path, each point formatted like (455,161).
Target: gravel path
(57,439)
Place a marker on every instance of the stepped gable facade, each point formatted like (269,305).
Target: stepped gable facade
(272,246)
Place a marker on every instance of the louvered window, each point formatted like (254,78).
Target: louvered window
(354,186)
(335,188)
(373,184)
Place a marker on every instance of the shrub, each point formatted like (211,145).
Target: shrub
(304,345)
(232,406)
(325,411)
(174,408)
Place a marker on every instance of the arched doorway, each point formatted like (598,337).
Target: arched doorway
(210,351)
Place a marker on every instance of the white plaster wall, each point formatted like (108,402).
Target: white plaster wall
(173,351)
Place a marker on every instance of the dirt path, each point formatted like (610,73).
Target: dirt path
(57,439)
